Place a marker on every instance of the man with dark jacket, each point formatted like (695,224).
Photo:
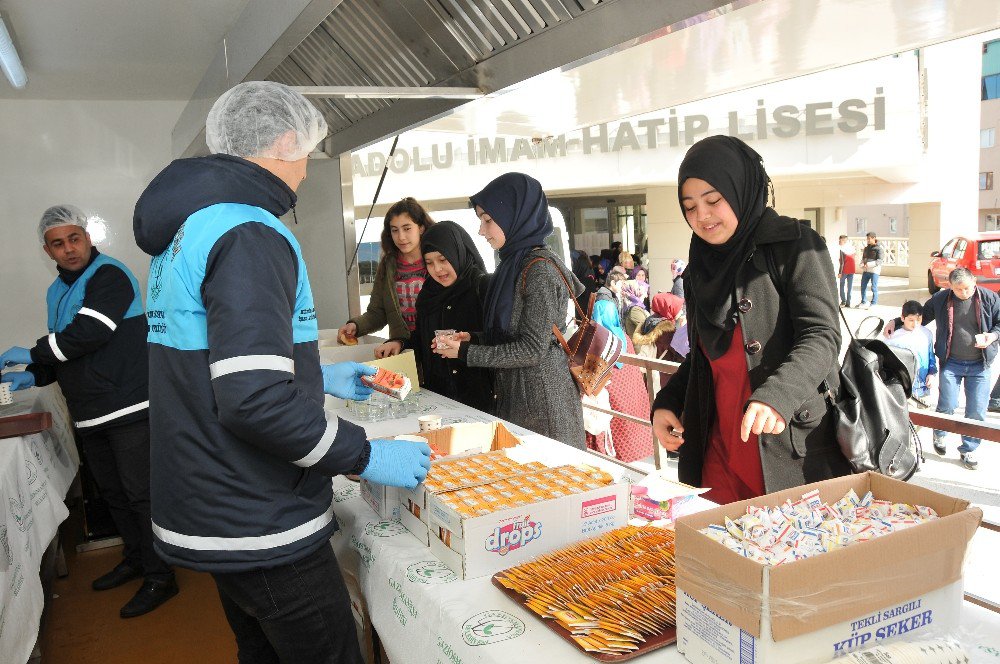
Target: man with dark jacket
(968,327)
(242,450)
(871,267)
(96,350)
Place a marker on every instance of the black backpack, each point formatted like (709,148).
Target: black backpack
(872,419)
(873,422)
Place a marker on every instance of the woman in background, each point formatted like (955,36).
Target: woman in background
(677,267)
(526,297)
(398,279)
(452,298)
(630,441)
(584,271)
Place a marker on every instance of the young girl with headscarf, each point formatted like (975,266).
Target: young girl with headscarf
(526,297)
(452,298)
(652,338)
(745,410)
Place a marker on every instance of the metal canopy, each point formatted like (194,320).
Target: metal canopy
(486,45)
(387,92)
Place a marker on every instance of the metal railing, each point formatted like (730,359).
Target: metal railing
(897,250)
(654,368)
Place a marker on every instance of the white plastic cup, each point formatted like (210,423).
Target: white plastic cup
(6,397)
(429,422)
(982,339)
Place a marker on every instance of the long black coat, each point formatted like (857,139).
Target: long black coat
(462,311)
(791,336)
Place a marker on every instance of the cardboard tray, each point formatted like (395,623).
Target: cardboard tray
(23,425)
(652,643)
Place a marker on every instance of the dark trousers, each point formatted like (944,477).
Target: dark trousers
(118,457)
(292,614)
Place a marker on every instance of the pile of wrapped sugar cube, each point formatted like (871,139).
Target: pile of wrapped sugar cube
(808,527)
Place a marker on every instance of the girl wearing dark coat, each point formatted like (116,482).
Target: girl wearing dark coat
(527,295)
(452,299)
(746,410)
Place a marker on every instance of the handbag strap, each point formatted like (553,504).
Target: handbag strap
(569,288)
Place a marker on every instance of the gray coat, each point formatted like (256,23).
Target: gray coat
(532,381)
(791,336)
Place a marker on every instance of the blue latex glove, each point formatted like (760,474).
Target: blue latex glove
(15,355)
(398,463)
(343,380)
(19,380)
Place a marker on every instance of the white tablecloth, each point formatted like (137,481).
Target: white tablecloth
(424,614)
(35,474)
(421,610)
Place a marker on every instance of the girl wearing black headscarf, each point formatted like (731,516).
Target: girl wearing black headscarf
(452,299)
(745,410)
(526,297)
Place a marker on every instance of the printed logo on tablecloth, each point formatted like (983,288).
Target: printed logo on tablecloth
(489,627)
(519,532)
(344,493)
(32,472)
(431,572)
(22,515)
(5,542)
(385,529)
(35,451)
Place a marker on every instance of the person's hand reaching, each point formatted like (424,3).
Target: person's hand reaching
(761,418)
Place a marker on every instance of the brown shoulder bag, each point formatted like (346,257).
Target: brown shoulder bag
(592,350)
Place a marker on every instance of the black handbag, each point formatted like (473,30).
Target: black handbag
(871,416)
(873,428)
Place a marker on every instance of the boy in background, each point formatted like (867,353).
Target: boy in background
(913,336)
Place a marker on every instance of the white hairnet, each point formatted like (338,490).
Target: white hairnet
(247,120)
(60,215)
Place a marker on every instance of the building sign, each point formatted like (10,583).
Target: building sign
(669,130)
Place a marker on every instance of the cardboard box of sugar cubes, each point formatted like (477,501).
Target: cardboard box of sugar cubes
(819,570)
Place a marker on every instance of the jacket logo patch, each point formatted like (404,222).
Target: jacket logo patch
(156,276)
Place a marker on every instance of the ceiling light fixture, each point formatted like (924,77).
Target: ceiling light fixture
(9,61)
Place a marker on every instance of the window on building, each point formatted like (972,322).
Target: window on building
(893,225)
(986,181)
(991,87)
(987,137)
(859,225)
(991,70)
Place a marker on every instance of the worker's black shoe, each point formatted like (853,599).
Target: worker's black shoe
(151,595)
(122,573)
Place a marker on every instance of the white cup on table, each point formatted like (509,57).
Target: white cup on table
(429,422)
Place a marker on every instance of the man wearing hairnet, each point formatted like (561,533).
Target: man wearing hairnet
(96,350)
(242,450)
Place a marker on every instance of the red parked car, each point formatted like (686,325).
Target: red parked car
(979,253)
